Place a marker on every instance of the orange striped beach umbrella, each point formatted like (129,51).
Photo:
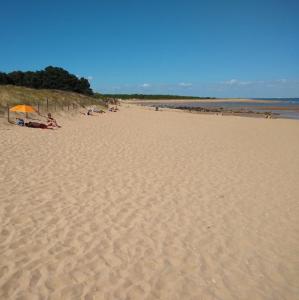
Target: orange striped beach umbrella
(23,108)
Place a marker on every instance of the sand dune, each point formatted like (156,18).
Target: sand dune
(141,204)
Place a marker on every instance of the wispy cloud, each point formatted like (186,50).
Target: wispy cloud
(275,82)
(236,82)
(184,84)
(280,87)
(116,88)
(89,78)
(282,80)
(230,82)
(146,85)
(245,82)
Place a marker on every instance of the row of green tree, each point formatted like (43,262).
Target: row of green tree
(147,97)
(49,78)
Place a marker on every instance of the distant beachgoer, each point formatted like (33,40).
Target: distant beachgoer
(51,122)
(20,122)
(113,109)
(37,125)
(100,111)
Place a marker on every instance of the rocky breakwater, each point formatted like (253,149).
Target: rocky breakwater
(228,111)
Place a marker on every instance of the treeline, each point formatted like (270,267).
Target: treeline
(49,78)
(147,97)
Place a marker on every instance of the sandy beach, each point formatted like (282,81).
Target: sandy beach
(141,204)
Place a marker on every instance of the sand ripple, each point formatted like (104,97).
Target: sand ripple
(150,205)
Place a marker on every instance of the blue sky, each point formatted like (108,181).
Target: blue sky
(222,48)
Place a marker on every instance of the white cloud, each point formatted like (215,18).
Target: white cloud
(145,85)
(231,82)
(235,82)
(283,80)
(184,84)
(276,82)
(245,82)
(90,78)
(278,87)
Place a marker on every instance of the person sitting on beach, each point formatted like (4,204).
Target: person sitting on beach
(51,122)
(113,109)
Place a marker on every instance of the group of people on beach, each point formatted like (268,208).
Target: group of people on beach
(90,112)
(51,123)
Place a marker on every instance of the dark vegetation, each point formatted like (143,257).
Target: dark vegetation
(55,78)
(147,97)
(49,78)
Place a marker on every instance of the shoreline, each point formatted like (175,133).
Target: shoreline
(237,112)
(273,111)
(218,100)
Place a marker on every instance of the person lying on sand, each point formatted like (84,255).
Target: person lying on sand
(37,125)
(88,113)
(91,112)
(98,111)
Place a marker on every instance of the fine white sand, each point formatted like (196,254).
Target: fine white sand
(141,204)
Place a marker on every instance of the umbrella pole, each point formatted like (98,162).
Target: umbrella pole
(8,113)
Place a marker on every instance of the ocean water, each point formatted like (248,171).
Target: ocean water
(289,105)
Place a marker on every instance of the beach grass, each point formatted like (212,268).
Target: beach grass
(44,99)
